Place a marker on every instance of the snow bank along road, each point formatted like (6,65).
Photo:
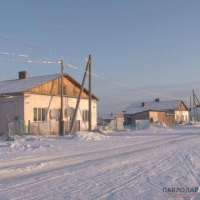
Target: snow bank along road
(134,165)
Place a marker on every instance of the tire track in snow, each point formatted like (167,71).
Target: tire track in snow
(98,188)
(128,153)
(35,161)
(138,176)
(77,181)
(45,180)
(72,192)
(56,157)
(191,169)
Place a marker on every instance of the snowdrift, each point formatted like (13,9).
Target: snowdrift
(157,126)
(89,136)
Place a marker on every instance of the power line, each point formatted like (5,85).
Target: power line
(93,74)
(31,61)
(122,84)
(21,55)
(41,48)
(12,54)
(111,106)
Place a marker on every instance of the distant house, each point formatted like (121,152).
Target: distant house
(107,118)
(113,121)
(36,100)
(169,112)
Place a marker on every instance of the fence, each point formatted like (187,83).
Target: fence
(16,128)
(39,128)
(51,128)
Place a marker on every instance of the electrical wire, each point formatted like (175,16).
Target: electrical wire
(111,106)
(12,54)
(41,48)
(122,84)
(31,61)
(93,74)
(22,55)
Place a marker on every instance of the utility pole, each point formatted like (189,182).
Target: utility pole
(90,94)
(193,106)
(79,98)
(196,106)
(190,110)
(62,125)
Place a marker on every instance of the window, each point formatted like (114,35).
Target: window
(39,114)
(177,117)
(85,115)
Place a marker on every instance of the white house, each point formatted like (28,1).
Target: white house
(36,100)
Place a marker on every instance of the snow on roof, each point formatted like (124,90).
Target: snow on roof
(136,107)
(20,85)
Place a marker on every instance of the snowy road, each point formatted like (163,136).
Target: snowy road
(134,167)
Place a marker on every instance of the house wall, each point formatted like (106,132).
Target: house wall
(130,119)
(50,102)
(169,120)
(53,88)
(181,107)
(11,109)
(181,116)
(157,116)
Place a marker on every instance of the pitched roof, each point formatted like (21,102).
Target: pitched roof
(136,107)
(21,85)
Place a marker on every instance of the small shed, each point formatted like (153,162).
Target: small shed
(112,121)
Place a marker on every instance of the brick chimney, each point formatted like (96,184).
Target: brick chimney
(22,74)
(143,104)
(157,100)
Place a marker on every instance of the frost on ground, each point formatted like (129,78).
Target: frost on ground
(135,164)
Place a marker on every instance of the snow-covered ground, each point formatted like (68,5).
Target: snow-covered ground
(136,164)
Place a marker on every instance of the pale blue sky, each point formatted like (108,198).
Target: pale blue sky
(152,45)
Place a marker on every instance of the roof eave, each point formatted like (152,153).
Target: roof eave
(12,94)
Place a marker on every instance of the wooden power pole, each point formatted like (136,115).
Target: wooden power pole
(90,94)
(194,106)
(190,110)
(62,125)
(79,99)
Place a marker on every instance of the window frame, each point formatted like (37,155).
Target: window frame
(39,114)
(85,115)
